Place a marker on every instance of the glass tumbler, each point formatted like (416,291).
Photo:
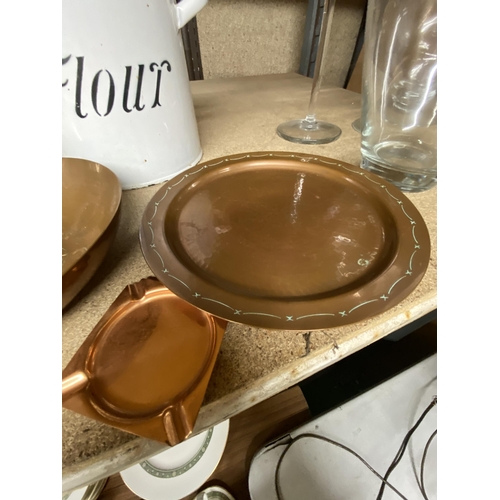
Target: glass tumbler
(399,95)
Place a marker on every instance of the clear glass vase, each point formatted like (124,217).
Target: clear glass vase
(399,96)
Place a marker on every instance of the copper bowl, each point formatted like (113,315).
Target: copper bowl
(91,198)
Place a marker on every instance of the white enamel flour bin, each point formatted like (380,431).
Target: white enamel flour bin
(126,100)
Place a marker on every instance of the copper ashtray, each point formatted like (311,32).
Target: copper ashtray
(91,199)
(146,365)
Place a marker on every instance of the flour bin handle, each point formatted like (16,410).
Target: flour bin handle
(187,9)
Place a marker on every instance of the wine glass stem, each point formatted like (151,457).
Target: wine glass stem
(324,35)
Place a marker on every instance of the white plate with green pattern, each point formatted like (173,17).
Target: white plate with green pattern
(90,492)
(180,470)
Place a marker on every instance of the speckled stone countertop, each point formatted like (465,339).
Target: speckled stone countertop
(234,115)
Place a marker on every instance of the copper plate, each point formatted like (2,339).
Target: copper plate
(146,365)
(285,240)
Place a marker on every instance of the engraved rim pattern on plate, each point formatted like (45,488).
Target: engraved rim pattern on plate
(380,185)
(178,471)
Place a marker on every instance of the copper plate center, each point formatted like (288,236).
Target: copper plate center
(279,231)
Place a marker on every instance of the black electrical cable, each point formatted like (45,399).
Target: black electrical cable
(322,438)
(422,464)
(404,444)
(394,463)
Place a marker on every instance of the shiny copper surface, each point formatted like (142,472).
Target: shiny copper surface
(91,198)
(74,383)
(285,240)
(146,365)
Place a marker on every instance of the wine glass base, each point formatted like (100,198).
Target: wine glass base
(356,125)
(305,132)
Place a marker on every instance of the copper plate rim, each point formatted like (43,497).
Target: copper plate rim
(387,289)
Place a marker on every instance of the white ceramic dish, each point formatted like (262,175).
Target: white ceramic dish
(180,470)
(90,492)
(214,493)
(75,495)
